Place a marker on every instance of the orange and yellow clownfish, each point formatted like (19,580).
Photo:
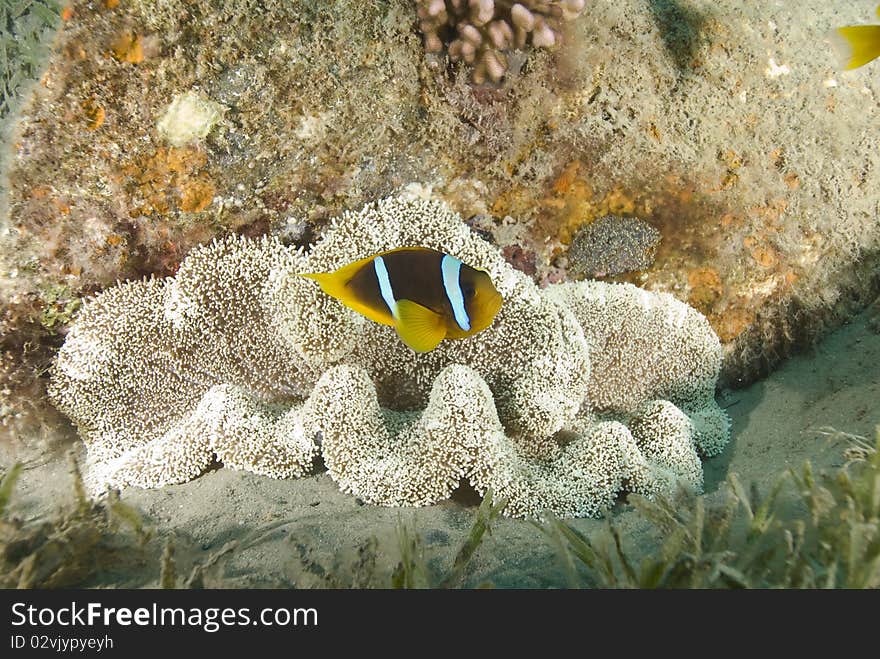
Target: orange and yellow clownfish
(857,44)
(426,295)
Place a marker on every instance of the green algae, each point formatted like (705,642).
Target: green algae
(83,543)
(26,27)
(59,307)
(809,531)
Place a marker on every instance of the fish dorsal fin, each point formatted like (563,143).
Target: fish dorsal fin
(419,327)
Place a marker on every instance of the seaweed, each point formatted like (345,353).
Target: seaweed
(71,547)
(60,308)
(25,27)
(8,484)
(807,532)
(413,570)
(701,548)
(839,541)
(168,569)
(486,515)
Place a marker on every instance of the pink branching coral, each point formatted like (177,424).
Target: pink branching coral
(483,33)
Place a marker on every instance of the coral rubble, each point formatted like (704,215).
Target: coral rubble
(238,358)
(484,33)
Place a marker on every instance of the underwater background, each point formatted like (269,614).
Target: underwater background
(734,158)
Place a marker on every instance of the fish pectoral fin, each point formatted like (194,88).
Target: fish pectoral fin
(419,327)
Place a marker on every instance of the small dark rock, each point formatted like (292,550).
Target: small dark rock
(611,245)
(522,260)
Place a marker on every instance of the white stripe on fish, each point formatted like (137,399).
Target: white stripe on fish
(385,285)
(451,268)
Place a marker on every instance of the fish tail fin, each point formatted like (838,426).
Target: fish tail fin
(419,327)
(334,283)
(856,45)
(331,283)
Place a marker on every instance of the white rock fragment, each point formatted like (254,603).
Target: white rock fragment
(775,70)
(189,118)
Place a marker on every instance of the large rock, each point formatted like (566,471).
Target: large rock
(727,126)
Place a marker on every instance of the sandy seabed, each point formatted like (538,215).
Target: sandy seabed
(777,425)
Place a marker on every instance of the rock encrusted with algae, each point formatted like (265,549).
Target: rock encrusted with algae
(239,359)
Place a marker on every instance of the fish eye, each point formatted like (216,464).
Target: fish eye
(468,290)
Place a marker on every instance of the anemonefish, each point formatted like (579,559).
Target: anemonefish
(857,44)
(426,295)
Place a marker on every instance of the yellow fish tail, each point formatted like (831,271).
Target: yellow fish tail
(335,284)
(329,282)
(857,44)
